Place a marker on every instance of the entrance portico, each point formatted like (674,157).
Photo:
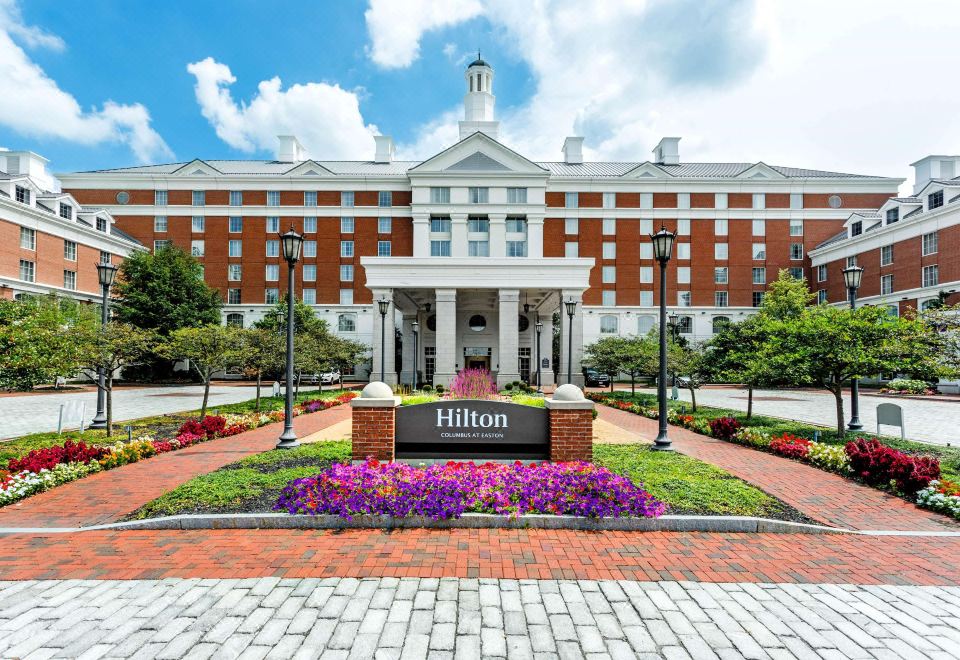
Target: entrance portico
(477,313)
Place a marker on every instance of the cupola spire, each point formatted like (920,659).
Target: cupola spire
(479,101)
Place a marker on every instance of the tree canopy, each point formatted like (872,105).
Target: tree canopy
(210,349)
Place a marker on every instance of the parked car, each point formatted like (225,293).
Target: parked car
(330,377)
(594,378)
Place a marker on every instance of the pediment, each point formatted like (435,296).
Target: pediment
(196,167)
(760,171)
(478,162)
(308,168)
(478,153)
(647,170)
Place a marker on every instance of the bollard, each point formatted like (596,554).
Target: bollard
(129,430)
(816,436)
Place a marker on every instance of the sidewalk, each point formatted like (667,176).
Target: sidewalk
(824,496)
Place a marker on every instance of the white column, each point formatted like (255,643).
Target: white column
(577,332)
(421,235)
(407,373)
(498,235)
(458,235)
(386,339)
(535,236)
(508,346)
(446,337)
(546,347)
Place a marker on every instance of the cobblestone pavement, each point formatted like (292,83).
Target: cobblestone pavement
(469,619)
(933,421)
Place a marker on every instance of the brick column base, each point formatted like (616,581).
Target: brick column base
(571,435)
(373,429)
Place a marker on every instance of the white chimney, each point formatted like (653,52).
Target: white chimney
(289,149)
(667,152)
(384,149)
(573,150)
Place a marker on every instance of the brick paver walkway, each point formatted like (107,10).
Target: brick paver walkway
(470,619)
(107,496)
(823,496)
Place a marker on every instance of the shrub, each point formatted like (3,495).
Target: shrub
(473,384)
(907,385)
(724,428)
(508,387)
(935,497)
(49,457)
(440,389)
(879,465)
(427,388)
(829,457)
(790,446)
(211,426)
(753,438)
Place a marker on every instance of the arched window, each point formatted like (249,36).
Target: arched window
(685,325)
(608,324)
(234,319)
(644,325)
(347,323)
(719,323)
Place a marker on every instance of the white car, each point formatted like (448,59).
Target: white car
(330,377)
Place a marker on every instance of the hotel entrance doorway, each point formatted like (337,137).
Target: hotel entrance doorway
(478,362)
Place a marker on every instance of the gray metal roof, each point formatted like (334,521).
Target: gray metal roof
(907,200)
(833,239)
(124,235)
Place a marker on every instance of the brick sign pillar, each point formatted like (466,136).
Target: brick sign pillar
(374,422)
(571,425)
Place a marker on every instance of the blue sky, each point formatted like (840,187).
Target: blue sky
(814,84)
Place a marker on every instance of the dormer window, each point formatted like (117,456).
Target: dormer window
(893,215)
(101,224)
(856,228)
(66,211)
(22,195)
(934,200)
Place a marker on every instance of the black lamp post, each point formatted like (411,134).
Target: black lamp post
(539,327)
(852,275)
(662,248)
(106,274)
(672,320)
(571,306)
(416,352)
(292,243)
(384,305)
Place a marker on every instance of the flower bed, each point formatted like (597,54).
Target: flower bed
(908,386)
(942,496)
(450,490)
(45,468)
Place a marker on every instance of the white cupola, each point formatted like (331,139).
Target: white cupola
(479,101)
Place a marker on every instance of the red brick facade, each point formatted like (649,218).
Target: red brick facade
(571,435)
(373,431)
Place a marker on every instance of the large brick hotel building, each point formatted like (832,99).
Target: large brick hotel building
(477,242)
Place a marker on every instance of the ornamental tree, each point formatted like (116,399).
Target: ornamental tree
(691,363)
(210,349)
(263,352)
(117,346)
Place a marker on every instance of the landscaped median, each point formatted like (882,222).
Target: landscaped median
(912,473)
(50,466)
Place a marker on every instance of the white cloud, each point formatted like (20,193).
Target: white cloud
(396,27)
(32,103)
(325,118)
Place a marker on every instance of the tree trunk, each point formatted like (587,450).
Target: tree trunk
(611,383)
(206,395)
(633,384)
(108,385)
(749,401)
(838,394)
(256,405)
(693,398)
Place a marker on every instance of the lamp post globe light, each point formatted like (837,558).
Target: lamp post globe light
(571,306)
(106,273)
(292,243)
(662,249)
(416,353)
(539,327)
(383,305)
(852,275)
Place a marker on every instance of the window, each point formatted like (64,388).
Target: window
(273,225)
(478,248)
(516,225)
(720,200)
(101,224)
(310,249)
(931,275)
(759,251)
(646,298)
(516,248)
(886,284)
(233,298)
(69,250)
(70,280)
(272,272)
(310,198)
(646,274)
(796,272)
(644,325)
(346,224)
(571,249)
(886,255)
(346,198)
(759,275)
(796,251)
(440,195)
(235,224)
(646,200)
(235,249)
(609,226)
(273,248)
(646,250)
(683,298)
(26,270)
(159,245)
(383,248)
(439,248)
(608,298)
(384,225)
(160,224)
(347,323)
(893,215)
(646,227)
(310,296)
(28,238)
(478,225)
(851,261)
(440,225)
(759,200)
(796,227)
(571,200)
(609,250)
(273,198)
(822,297)
(720,275)
(22,195)
(271,296)
(236,198)
(346,248)
(197,248)
(683,227)
(235,319)
(66,211)
(571,226)
(720,227)
(929,244)
(310,225)
(720,251)
(609,200)
(685,325)
(683,275)
(105,257)
(759,227)
(856,228)
(159,197)
(609,274)
(683,200)
(930,303)
(198,224)
(346,272)
(822,273)
(719,323)
(757,298)
(719,298)
(934,200)
(608,324)
(796,201)
(310,272)
(234,272)
(199,198)
(385,199)
(346,296)
(683,251)
(516,195)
